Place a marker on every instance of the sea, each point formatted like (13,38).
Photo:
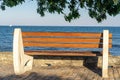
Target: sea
(6,34)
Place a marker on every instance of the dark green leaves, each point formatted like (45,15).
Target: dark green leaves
(10,3)
(51,6)
(71,9)
(97,9)
(73,15)
(2,7)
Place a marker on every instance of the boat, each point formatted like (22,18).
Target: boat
(10,25)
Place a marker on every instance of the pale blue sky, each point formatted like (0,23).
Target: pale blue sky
(26,14)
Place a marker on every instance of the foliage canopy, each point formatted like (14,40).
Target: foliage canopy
(71,9)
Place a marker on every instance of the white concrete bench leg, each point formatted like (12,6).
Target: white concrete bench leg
(105,54)
(21,61)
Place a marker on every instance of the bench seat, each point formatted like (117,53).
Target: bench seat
(64,53)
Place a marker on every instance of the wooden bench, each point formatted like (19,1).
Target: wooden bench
(23,60)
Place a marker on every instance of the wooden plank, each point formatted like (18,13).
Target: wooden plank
(66,34)
(81,40)
(59,45)
(105,54)
(62,53)
(64,45)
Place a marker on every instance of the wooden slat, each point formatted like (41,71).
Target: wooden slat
(62,53)
(63,45)
(63,40)
(66,34)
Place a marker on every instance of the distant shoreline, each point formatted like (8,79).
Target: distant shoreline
(55,26)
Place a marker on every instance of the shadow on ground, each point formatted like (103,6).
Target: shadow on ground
(36,75)
(93,65)
(31,76)
(88,62)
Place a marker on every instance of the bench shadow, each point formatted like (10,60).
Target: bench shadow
(59,57)
(89,62)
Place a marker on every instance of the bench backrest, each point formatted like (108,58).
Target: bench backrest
(64,39)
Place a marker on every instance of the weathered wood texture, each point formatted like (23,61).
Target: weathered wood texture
(59,45)
(64,39)
(63,53)
(66,34)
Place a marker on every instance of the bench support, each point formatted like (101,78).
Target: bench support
(21,61)
(105,54)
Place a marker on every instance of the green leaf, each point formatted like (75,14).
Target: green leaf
(2,7)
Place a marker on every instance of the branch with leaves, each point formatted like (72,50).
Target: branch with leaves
(71,9)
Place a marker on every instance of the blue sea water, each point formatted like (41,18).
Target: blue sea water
(6,34)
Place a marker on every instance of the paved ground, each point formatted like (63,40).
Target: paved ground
(58,73)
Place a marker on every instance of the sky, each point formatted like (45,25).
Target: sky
(26,14)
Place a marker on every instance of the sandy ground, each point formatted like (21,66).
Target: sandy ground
(54,72)
(46,73)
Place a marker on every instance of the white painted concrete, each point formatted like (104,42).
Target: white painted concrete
(21,61)
(105,53)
